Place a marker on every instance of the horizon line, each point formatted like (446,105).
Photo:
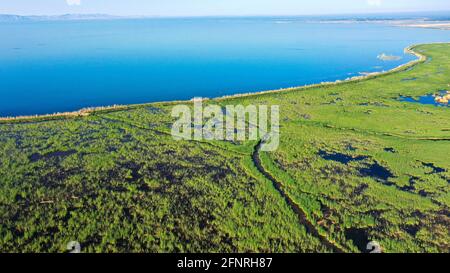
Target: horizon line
(234,15)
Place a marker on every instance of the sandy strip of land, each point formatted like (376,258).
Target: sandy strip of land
(445,26)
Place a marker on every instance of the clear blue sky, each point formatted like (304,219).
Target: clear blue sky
(217,7)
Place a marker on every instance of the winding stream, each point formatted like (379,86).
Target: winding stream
(303,219)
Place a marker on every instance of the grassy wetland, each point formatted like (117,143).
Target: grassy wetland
(355,164)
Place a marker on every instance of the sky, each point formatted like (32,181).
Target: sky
(217,7)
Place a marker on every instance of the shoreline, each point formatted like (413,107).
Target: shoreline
(410,50)
(441,26)
(102,109)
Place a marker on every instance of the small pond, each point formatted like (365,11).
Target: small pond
(427,99)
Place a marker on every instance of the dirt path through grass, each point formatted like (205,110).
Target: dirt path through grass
(310,228)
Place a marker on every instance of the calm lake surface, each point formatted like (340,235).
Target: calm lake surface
(47,67)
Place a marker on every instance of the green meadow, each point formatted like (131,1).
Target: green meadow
(355,164)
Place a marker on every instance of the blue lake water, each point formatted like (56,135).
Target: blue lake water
(47,67)
(426,99)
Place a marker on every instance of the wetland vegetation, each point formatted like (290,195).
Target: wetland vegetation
(355,164)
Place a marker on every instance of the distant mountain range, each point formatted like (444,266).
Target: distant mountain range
(423,16)
(68,17)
